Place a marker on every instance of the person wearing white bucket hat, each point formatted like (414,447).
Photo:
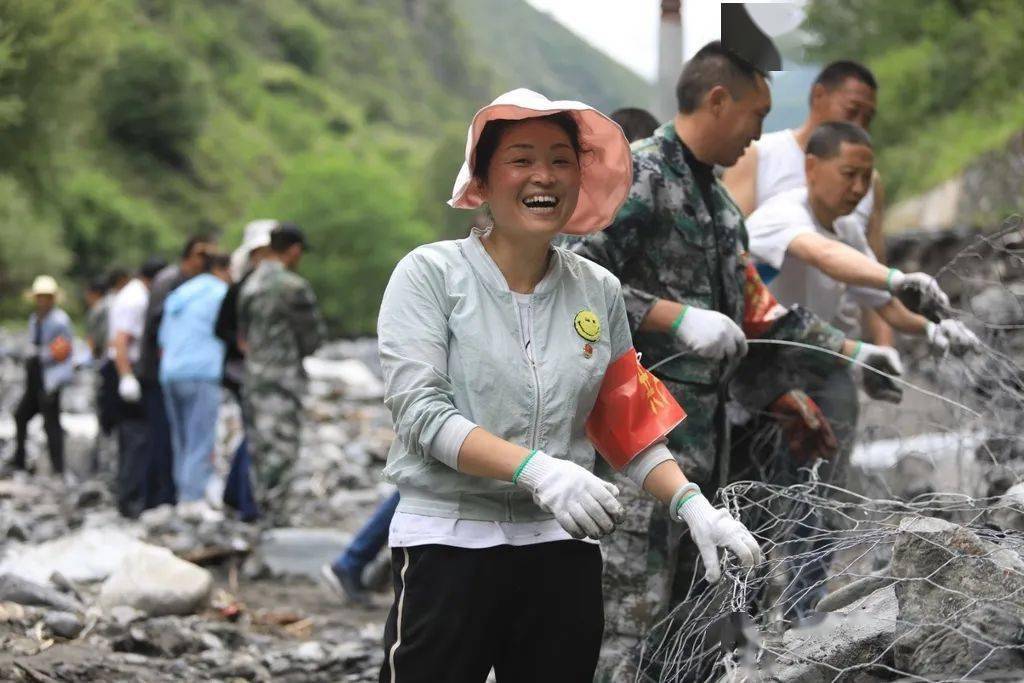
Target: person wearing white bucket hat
(506,361)
(48,368)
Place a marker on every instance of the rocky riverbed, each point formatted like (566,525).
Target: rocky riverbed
(88,596)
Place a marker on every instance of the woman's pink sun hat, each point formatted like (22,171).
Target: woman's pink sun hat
(606,165)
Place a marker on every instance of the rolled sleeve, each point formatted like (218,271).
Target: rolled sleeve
(449,440)
(412,333)
(645,461)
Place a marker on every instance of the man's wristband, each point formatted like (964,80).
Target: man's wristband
(888,278)
(679,319)
(856,351)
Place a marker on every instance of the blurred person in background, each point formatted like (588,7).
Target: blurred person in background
(48,368)
(191,365)
(159,483)
(238,492)
(636,123)
(127,320)
(279,324)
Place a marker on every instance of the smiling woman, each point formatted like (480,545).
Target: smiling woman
(506,362)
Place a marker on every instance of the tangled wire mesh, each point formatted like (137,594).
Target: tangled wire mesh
(910,564)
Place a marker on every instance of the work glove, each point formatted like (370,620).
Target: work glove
(806,429)
(713,528)
(583,504)
(919,292)
(951,335)
(886,359)
(129,390)
(710,334)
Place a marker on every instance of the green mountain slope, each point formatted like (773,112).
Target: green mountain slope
(127,125)
(528,48)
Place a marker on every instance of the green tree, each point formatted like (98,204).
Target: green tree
(360,217)
(152,99)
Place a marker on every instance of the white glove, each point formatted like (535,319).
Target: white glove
(951,335)
(711,334)
(582,503)
(713,528)
(129,390)
(920,292)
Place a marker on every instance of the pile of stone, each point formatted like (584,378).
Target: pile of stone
(950,605)
(175,595)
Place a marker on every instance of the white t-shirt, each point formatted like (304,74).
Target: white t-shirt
(128,314)
(774,225)
(780,167)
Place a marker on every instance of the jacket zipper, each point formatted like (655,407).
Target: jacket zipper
(535,427)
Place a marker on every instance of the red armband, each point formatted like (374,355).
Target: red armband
(761,308)
(633,410)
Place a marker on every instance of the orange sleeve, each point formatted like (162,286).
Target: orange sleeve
(633,410)
(761,309)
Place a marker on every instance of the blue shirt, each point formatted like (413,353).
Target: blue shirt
(191,350)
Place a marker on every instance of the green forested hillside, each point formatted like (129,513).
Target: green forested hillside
(531,49)
(951,76)
(127,124)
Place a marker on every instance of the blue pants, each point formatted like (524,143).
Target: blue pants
(238,491)
(370,539)
(158,467)
(192,407)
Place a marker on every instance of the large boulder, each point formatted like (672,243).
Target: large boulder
(961,599)
(155,582)
(858,636)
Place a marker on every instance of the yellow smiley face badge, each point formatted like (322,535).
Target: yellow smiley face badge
(587,326)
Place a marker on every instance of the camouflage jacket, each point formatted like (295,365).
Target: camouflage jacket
(665,243)
(280,323)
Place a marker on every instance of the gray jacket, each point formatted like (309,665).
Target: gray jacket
(451,345)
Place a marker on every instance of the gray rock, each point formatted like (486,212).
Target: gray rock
(854,591)
(154,581)
(64,624)
(861,632)
(25,592)
(998,305)
(960,601)
(300,551)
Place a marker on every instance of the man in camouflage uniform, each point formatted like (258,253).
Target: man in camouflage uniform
(278,325)
(679,246)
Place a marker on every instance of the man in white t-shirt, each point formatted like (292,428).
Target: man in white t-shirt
(126,323)
(843,91)
(810,254)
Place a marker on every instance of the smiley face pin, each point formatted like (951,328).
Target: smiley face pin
(587,325)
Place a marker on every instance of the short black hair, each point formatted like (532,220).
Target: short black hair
(714,64)
(97,285)
(636,123)
(285,235)
(827,138)
(213,260)
(151,266)
(115,275)
(192,242)
(490,136)
(836,73)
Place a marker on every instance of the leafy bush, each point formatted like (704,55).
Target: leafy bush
(104,226)
(301,46)
(152,100)
(359,215)
(29,245)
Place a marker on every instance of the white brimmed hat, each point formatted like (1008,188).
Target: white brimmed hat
(255,235)
(606,170)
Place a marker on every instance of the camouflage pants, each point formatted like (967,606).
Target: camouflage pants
(274,425)
(643,556)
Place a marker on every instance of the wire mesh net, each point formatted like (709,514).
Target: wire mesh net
(907,565)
